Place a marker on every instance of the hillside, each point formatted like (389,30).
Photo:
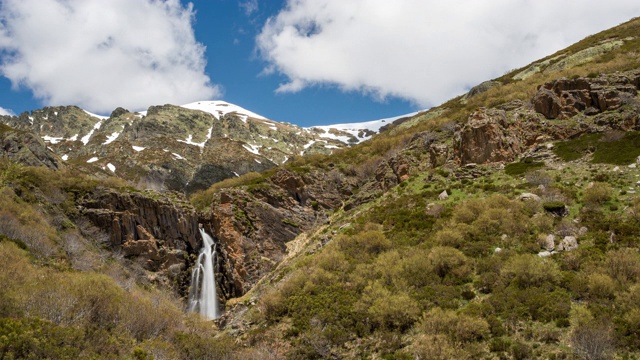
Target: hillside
(502,224)
(182,148)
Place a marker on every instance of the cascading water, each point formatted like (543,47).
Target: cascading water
(202,294)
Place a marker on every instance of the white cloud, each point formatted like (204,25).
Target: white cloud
(426,51)
(4,111)
(249,7)
(103,54)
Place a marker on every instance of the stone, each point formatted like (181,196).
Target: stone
(438,154)
(549,242)
(545,253)
(529,197)
(582,231)
(497,250)
(632,166)
(617,168)
(443,195)
(569,243)
(483,139)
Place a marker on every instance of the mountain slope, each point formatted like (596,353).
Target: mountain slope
(493,226)
(501,224)
(182,148)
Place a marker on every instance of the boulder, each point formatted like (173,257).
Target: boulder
(569,243)
(443,195)
(529,197)
(548,242)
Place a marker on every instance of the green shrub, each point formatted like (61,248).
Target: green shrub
(574,149)
(519,168)
(597,194)
(32,338)
(529,270)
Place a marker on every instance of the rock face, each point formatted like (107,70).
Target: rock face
(159,228)
(170,147)
(485,138)
(254,225)
(26,148)
(565,98)
(507,132)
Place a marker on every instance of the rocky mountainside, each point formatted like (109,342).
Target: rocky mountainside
(183,148)
(501,224)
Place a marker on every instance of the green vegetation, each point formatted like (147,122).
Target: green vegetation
(519,168)
(396,272)
(606,148)
(64,295)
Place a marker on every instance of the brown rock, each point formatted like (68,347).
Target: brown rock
(484,139)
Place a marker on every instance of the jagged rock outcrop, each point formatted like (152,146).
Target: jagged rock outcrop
(254,224)
(26,148)
(149,224)
(486,138)
(565,98)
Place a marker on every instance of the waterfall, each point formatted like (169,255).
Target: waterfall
(202,293)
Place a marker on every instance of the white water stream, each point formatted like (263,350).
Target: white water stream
(202,293)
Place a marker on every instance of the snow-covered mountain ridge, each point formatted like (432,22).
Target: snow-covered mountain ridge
(183,148)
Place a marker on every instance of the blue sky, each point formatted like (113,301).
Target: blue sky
(308,62)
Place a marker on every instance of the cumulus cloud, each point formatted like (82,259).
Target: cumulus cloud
(4,111)
(425,51)
(103,54)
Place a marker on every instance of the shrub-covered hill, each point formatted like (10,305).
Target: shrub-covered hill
(502,224)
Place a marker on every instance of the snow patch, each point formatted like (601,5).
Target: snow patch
(52,140)
(85,139)
(219,108)
(254,149)
(189,140)
(354,129)
(111,138)
(138,148)
(65,157)
(111,167)
(93,159)
(101,117)
(177,156)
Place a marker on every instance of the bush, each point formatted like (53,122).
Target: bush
(458,327)
(528,270)
(450,264)
(592,341)
(601,286)
(597,194)
(390,310)
(33,338)
(519,168)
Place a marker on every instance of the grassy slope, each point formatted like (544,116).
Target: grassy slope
(409,275)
